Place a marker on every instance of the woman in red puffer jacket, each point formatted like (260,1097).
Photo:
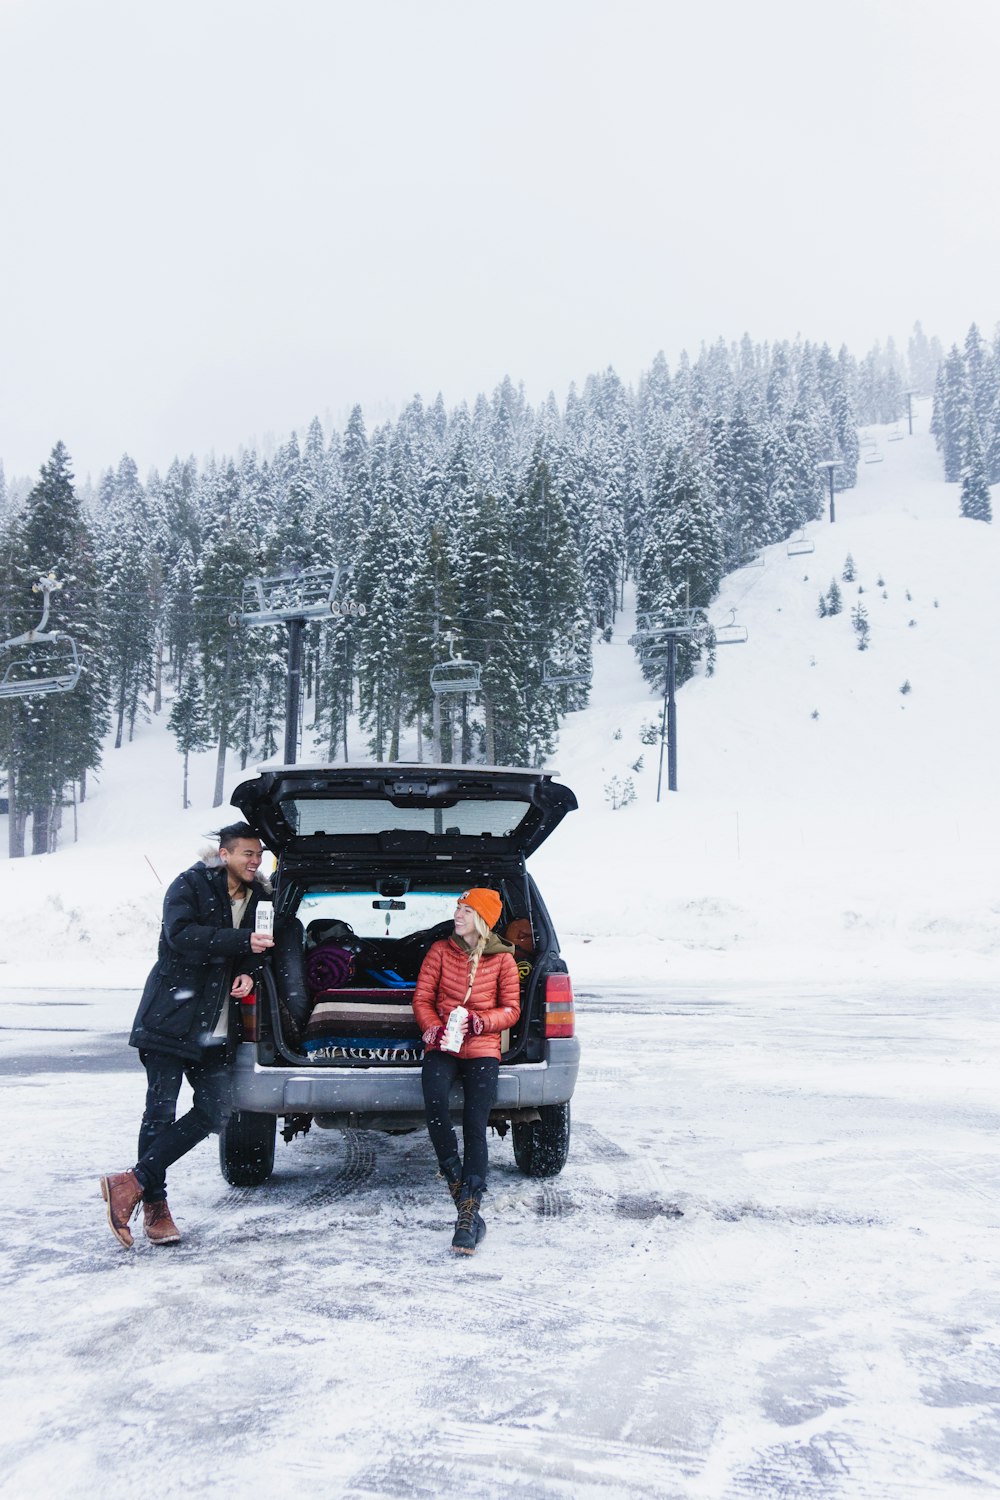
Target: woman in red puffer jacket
(476,970)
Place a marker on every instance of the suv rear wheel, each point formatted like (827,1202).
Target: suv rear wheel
(542,1146)
(246,1148)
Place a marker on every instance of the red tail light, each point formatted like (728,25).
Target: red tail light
(560,1017)
(248,1017)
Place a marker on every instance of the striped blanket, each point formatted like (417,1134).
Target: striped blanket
(368,1025)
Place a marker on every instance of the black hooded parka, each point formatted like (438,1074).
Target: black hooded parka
(200,954)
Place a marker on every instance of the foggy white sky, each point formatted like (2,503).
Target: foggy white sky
(222,217)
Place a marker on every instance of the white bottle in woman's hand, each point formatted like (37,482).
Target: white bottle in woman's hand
(454,1032)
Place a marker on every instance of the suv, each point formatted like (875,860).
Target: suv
(371,860)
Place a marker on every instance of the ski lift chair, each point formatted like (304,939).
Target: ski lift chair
(731,634)
(876,456)
(556,676)
(897,434)
(456,675)
(800,545)
(40,661)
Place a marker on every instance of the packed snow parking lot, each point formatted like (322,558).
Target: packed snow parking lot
(767,1269)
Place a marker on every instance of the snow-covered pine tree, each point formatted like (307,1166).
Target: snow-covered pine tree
(620,428)
(975,501)
(923,358)
(892,402)
(126,566)
(780,391)
(981,373)
(862,628)
(753,523)
(553,596)
(807,445)
(179,608)
(844,427)
(496,630)
(952,419)
(991,442)
(382,580)
(181,508)
(602,530)
(231,655)
(430,630)
(660,593)
(189,722)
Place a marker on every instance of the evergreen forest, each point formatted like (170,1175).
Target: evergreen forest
(501,534)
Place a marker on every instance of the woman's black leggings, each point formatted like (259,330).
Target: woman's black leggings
(479,1088)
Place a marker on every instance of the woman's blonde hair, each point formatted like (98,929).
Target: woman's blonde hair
(476,948)
(482,931)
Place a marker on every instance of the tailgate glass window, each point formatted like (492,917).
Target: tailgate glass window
(337,816)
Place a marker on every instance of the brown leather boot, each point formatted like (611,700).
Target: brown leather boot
(122,1192)
(158,1223)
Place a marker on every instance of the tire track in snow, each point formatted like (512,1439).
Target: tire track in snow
(494,1461)
(356,1171)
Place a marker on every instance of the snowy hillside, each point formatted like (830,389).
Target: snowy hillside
(825,819)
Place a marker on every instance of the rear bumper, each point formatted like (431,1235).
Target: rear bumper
(392,1094)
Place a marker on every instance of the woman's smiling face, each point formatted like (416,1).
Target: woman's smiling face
(465,922)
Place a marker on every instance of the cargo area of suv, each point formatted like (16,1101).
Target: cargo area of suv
(371,861)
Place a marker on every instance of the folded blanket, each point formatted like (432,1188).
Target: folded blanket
(364,1015)
(328,967)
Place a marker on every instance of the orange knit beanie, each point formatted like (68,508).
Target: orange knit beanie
(484,901)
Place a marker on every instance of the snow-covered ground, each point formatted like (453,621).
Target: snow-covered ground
(768,1270)
(769,1267)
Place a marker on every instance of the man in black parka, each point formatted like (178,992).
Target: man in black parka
(208,951)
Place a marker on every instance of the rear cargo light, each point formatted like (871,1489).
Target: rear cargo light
(559,1013)
(248,1017)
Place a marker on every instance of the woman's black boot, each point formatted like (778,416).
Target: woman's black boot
(469,1227)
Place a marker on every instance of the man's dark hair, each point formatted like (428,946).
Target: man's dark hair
(232,834)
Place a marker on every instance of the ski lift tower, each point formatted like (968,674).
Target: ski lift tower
(657,645)
(829,464)
(909,394)
(293,599)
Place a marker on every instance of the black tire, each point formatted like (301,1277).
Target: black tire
(542,1146)
(246,1148)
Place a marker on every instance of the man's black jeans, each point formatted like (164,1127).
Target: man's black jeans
(479,1087)
(164,1139)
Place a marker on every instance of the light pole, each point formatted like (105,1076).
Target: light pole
(829,464)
